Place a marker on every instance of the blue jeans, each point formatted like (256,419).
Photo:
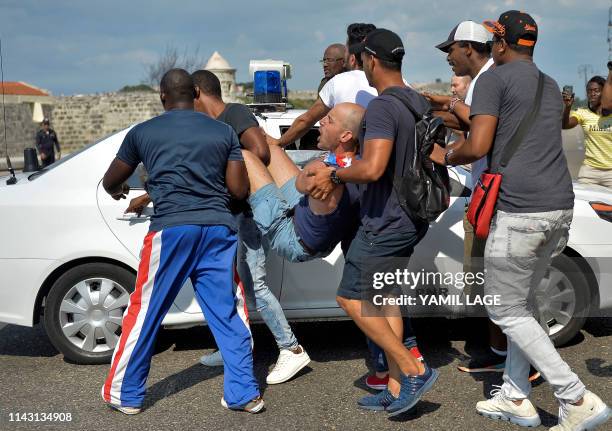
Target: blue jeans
(252,272)
(272,212)
(378,355)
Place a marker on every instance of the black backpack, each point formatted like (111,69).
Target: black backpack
(423,187)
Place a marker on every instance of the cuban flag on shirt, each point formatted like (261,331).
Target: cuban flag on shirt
(342,160)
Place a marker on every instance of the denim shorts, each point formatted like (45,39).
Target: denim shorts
(371,253)
(272,211)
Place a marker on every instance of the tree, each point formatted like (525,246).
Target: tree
(171,59)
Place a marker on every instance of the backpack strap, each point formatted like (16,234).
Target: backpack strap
(525,125)
(397,93)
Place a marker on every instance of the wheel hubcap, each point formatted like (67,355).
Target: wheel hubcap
(91,314)
(556,301)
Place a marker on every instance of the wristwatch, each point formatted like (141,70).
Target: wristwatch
(447,155)
(453,102)
(333,176)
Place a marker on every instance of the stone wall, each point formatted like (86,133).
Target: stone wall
(20,129)
(80,120)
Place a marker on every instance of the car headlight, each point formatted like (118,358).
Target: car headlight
(604,211)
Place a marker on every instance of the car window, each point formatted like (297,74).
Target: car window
(66,158)
(307,142)
(138,179)
(457,188)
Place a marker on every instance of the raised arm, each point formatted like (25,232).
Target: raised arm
(606,95)
(568,122)
(302,124)
(254,140)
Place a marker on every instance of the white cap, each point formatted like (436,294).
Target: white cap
(467,31)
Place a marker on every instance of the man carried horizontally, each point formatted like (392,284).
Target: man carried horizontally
(295,225)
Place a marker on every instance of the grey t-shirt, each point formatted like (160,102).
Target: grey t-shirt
(537,178)
(239,117)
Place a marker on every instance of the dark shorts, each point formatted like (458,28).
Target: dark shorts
(370,253)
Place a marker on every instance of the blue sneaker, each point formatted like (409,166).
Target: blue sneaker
(413,388)
(378,402)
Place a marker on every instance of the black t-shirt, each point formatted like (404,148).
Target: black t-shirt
(537,178)
(185,154)
(386,117)
(239,117)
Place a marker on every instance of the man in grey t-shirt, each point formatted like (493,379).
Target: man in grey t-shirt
(534,212)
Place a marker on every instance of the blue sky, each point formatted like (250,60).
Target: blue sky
(73,47)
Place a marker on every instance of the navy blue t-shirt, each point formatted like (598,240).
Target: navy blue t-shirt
(321,233)
(387,118)
(185,154)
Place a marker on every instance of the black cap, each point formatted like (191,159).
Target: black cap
(515,27)
(45,121)
(383,44)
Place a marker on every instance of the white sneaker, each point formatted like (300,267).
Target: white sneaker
(254,406)
(592,413)
(125,410)
(501,408)
(288,365)
(213,359)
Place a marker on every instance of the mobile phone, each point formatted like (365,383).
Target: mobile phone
(569,90)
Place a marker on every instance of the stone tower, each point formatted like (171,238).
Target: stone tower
(226,74)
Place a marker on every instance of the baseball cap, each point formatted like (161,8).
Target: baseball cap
(467,31)
(514,27)
(45,121)
(383,44)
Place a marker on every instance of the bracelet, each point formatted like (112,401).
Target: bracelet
(447,155)
(453,102)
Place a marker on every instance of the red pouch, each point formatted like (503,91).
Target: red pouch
(482,206)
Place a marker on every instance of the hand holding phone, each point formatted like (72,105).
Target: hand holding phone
(568,95)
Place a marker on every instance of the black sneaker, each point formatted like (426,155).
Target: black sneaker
(489,363)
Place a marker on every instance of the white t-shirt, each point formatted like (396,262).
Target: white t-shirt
(480,165)
(351,86)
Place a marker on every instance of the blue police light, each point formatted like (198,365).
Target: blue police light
(267,86)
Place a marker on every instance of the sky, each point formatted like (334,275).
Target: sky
(81,47)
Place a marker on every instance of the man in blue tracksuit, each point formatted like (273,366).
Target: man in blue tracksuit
(194,165)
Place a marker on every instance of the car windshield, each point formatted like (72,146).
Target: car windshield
(68,157)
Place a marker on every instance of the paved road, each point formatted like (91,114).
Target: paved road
(184,395)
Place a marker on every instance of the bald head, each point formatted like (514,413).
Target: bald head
(177,88)
(350,116)
(339,129)
(459,85)
(333,60)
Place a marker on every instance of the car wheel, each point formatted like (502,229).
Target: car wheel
(84,311)
(564,299)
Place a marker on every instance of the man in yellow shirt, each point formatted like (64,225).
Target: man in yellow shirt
(597,127)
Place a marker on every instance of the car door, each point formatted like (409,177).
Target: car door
(441,250)
(131,229)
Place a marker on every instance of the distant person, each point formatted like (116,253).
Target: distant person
(597,127)
(47,143)
(194,165)
(459,89)
(460,86)
(351,86)
(333,63)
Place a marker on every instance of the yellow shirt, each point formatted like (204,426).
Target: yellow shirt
(597,137)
